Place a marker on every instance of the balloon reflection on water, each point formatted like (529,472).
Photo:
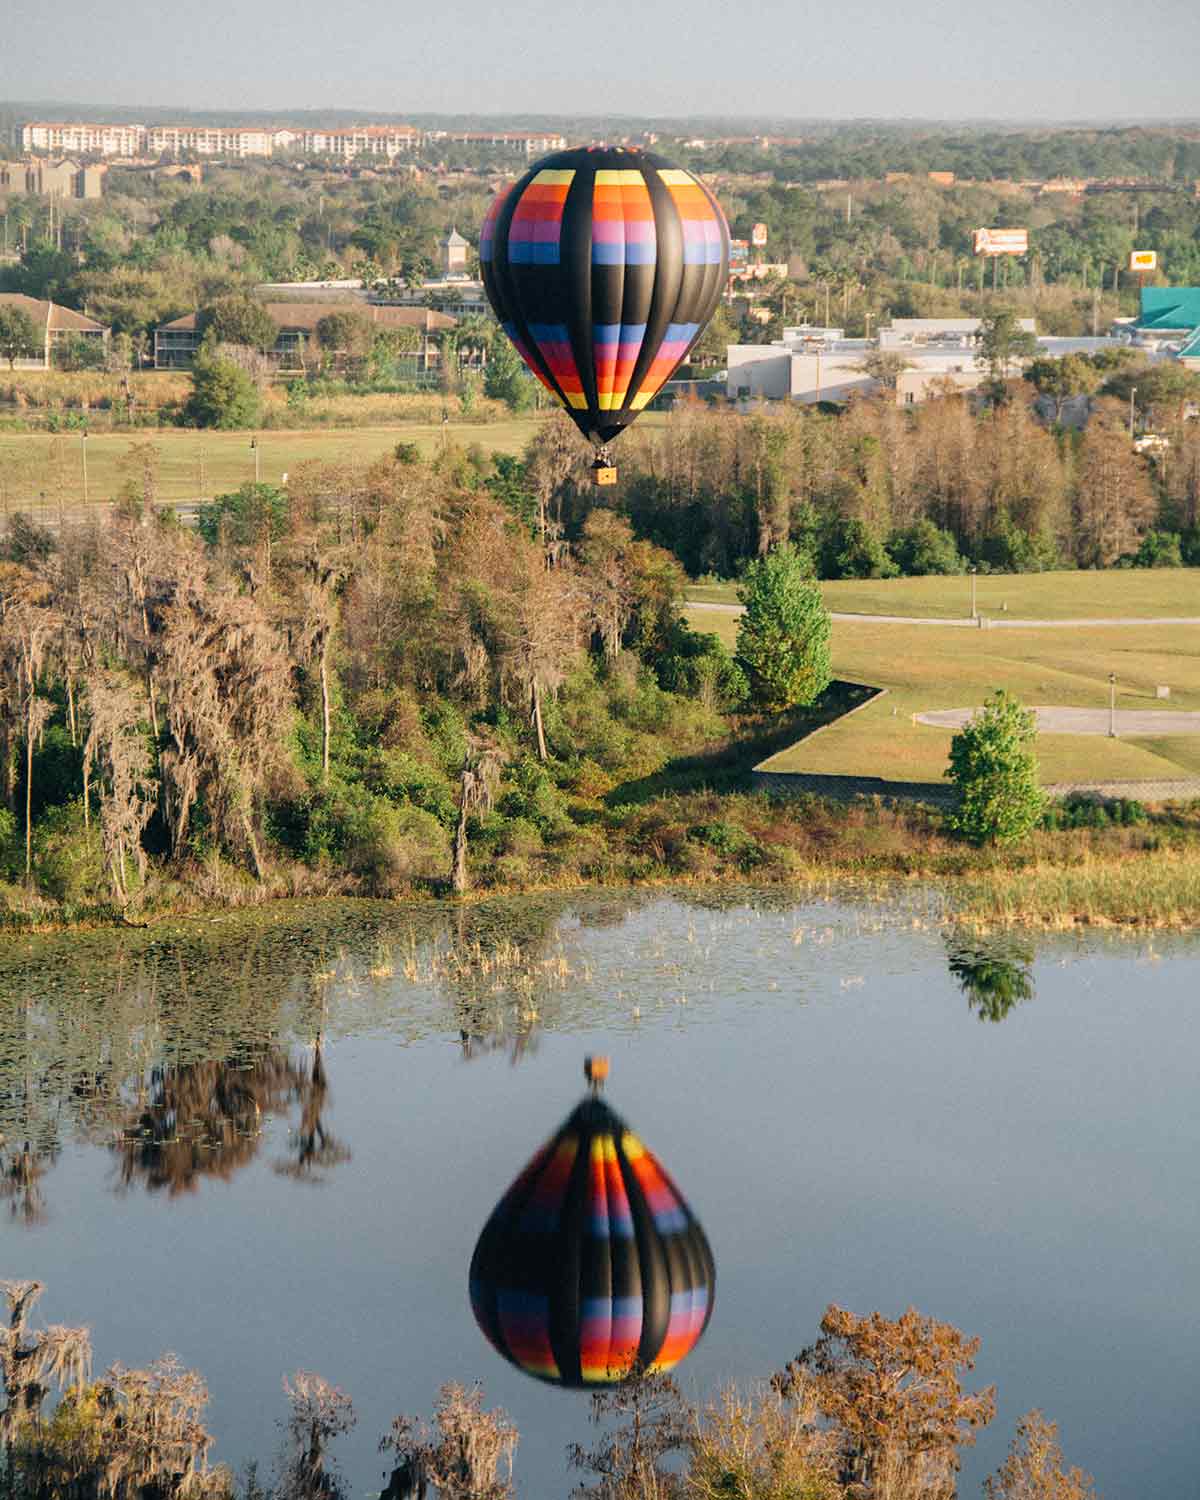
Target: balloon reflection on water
(592,1264)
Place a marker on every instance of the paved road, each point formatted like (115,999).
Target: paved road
(989,622)
(1128,721)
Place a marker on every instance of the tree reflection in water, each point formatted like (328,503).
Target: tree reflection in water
(205,1119)
(994,973)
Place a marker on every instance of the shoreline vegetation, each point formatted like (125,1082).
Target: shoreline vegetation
(874,1407)
(417,676)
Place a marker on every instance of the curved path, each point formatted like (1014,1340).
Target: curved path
(1126,721)
(981,622)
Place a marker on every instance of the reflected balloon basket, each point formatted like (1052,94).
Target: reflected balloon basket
(592,1266)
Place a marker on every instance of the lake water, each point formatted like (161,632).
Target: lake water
(858,1109)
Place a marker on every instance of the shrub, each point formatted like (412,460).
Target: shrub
(925,548)
(1159,549)
(1081,811)
(994,770)
(699,666)
(852,550)
(68,860)
(223,395)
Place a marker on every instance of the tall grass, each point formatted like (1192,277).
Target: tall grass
(1159,888)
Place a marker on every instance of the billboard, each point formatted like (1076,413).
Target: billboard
(1002,242)
(739,254)
(758,236)
(1143,260)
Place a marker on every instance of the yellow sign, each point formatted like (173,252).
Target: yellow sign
(1143,260)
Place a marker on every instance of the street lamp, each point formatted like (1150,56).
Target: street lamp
(1112,705)
(972,571)
(1132,394)
(83,437)
(255,450)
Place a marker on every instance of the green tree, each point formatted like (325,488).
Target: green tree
(223,394)
(995,773)
(239,320)
(346,332)
(1002,341)
(505,377)
(18,335)
(783,635)
(1060,379)
(245,517)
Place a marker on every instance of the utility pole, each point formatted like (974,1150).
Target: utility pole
(974,611)
(818,402)
(1132,394)
(1112,705)
(254,448)
(83,437)
(849,206)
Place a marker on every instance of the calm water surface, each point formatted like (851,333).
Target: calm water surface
(270,1144)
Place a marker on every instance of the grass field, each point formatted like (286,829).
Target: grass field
(1030,596)
(37,465)
(924,669)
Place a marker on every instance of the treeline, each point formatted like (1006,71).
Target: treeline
(881,489)
(874,1409)
(338,685)
(867,152)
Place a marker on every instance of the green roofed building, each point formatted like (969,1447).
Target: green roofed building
(1173,311)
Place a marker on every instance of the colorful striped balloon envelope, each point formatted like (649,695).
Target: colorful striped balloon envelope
(603,266)
(592,1263)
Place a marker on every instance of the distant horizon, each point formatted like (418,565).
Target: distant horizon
(767,123)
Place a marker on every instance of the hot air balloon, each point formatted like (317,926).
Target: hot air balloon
(603,266)
(592,1263)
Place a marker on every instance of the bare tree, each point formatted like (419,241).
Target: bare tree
(228,696)
(151,1435)
(116,745)
(1034,1469)
(653,1423)
(466,1455)
(28,628)
(320,1412)
(477,782)
(29,1363)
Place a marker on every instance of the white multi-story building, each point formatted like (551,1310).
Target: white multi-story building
(347,143)
(79,139)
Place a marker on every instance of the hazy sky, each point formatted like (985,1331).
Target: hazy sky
(925,58)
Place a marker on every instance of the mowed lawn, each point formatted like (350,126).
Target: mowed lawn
(40,469)
(1114,593)
(926,668)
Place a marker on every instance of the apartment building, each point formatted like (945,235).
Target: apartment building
(53,324)
(226,141)
(77,139)
(176,343)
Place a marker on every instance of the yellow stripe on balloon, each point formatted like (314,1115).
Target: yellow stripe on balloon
(674,177)
(552,178)
(619,179)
